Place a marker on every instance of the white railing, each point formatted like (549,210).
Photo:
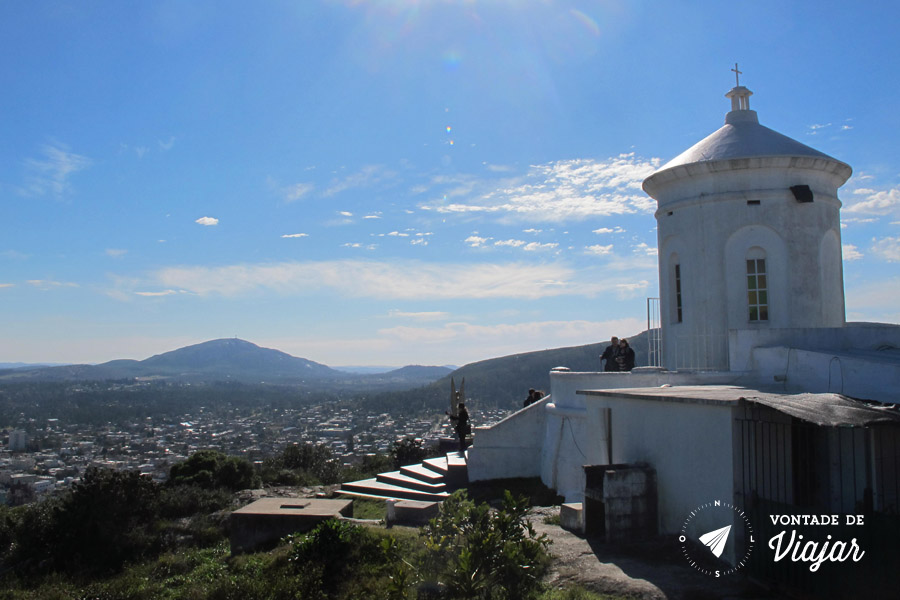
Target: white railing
(654,334)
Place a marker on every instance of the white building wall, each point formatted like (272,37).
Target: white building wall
(689,444)
(704,219)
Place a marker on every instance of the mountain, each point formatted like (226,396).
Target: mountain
(502,382)
(216,360)
(232,360)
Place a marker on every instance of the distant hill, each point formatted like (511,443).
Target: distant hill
(235,360)
(504,382)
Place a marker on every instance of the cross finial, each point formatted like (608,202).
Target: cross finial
(737,74)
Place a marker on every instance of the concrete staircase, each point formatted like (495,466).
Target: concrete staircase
(432,480)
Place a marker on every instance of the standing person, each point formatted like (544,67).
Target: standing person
(625,357)
(461,425)
(609,355)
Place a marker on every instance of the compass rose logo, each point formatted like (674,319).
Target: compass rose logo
(703,546)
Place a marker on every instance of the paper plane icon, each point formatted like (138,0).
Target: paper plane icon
(715,540)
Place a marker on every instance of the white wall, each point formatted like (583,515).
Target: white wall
(689,444)
(510,448)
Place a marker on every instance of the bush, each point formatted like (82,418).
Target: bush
(408,451)
(483,554)
(303,464)
(105,521)
(211,469)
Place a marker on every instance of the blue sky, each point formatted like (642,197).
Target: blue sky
(399,181)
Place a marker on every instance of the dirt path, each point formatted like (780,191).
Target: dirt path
(652,571)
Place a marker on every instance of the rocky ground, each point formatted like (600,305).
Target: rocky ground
(647,571)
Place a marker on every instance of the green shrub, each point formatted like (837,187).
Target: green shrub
(483,554)
(211,469)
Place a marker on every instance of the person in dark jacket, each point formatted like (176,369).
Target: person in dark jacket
(625,357)
(461,425)
(609,355)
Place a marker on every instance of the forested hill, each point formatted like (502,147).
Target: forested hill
(504,382)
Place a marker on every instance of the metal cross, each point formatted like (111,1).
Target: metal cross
(737,74)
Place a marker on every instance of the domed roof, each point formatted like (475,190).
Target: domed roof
(742,137)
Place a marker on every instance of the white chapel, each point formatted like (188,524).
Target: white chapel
(761,397)
(763,392)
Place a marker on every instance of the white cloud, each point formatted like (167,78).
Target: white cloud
(628,290)
(345,213)
(874,301)
(602,230)
(419,242)
(51,173)
(476,241)
(398,234)
(878,203)
(7,285)
(814,129)
(503,339)
(207,221)
(887,248)
(533,246)
(510,243)
(850,252)
(156,294)
(295,235)
(645,249)
(372,279)
(367,177)
(419,316)
(598,250)
(295,192)
(375,216)
(48,284)
(116,252)
(562,191)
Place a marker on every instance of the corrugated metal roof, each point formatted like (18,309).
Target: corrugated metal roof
(828,410)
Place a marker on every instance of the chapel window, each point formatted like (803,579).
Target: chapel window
(677,293)
(757,290)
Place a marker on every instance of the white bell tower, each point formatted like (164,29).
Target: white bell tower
(749,237)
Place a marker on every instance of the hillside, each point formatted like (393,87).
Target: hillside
(504,382)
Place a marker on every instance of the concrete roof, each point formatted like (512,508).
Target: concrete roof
(312,507)
(829,410)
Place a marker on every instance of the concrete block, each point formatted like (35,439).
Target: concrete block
(270,519)
(571,517)
(410,512)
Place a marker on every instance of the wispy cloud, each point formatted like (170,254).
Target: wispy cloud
(295,235)
(373,279)
(882,202)
(367,177)
(157,294)
(49,284)
(7,285)
(851,252)
(602,230)
(563,191)
(51,173)
(295,192)
(599,250)
(207,221)
(116,252)
(419,316)
(887,248)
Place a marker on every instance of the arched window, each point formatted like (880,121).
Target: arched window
(757,285)
(675,274)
